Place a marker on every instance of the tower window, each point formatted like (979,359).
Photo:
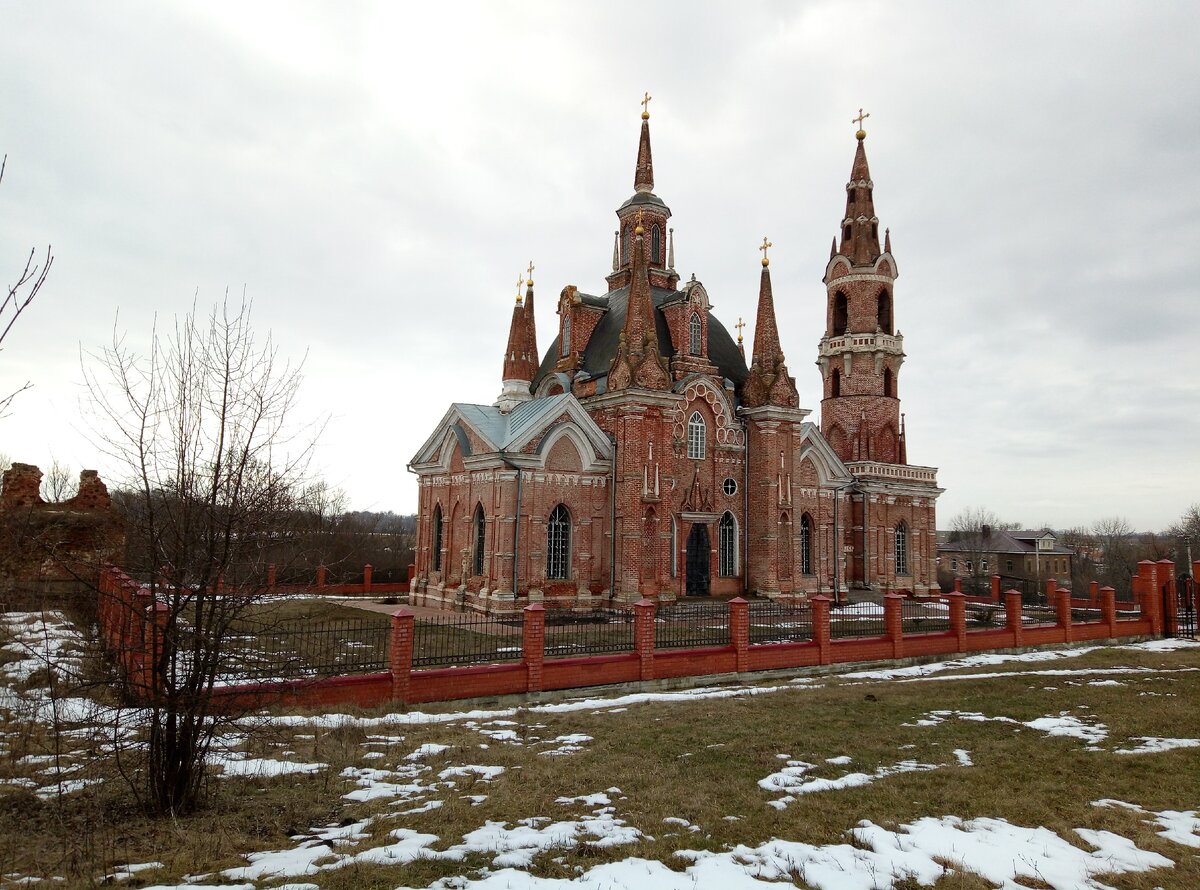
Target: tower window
(875,231)
(883,312)
(695,332)
(901,548)
(727,546)
(558,544)
(625,254)
(846,233)
(889,384)
(806,545)
(697,433)
(835,384)
(437,538)
(656,245)
(566,336)
(480,530)
(840,315)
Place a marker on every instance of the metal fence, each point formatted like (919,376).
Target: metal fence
(684,625)
(588,633)
(984,617)
(780,623)
(856,620)
(1038,615)
(297,649)
(922,616)
(458,640)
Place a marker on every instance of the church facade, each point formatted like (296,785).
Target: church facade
(646,455)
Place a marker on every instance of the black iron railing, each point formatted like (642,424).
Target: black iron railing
(780,623)
(856,620)
(924,616)
(457,640)
(684,625)
(296,649)
(588,633)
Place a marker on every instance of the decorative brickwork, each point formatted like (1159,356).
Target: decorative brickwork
(642,459)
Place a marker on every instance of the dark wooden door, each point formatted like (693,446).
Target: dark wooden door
(699,555)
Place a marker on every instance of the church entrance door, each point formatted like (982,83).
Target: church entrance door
(699,557)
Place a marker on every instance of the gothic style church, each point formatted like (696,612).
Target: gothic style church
(641,457)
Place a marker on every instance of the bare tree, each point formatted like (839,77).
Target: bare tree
(56,484)
(971,532)
(1081,541)
(18,298)
(215,469)
(1118,552)
(1187,533)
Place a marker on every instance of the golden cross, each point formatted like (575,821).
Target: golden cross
(645,103)
(861,117)
(766,245)
(531,272)
(637,218)
(520,281)
(740,324)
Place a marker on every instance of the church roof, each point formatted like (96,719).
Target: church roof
(502,430)
(602,346)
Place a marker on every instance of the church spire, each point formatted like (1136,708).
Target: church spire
(860,225)
(769,382)
(521,355)
(643,177)
(638,362)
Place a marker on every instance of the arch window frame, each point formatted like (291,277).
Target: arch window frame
(565,346)
(841,314)
(656,244)
(806,530)
(727,549)
(697,436)
(695,334)
(479,522)
(438,535)
(558,544)
(900,548)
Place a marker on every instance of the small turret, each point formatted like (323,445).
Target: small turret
(521,355)
(769,382)
(639,362)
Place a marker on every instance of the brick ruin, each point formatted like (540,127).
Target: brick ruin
(55,547)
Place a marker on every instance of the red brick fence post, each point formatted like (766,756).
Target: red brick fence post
(893,622)
(643,636)
(1108,609)
(996,589)
(1063,606)
(400,653)
(739,632)
(533,646)
(820,630)
(958,619)
(1166,587)
(368,571)
(1012,614)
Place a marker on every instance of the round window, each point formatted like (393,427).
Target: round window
(729,486)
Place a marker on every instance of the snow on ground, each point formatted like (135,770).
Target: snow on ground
(793,779)
(1064,724)
(1153,745)
(1182,828)
(261,766)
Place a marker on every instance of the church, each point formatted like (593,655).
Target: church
(645,454)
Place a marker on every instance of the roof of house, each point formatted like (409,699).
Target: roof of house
(1000,541)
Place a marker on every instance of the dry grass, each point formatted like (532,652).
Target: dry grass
(699,760)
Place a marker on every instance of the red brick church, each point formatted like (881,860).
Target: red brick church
(642,457)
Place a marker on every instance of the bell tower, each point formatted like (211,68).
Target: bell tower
(861,353)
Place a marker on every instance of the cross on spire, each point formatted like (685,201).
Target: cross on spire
(740,324)
(859,120)
(645,106)
(520,281)
(530,281)
(764,247)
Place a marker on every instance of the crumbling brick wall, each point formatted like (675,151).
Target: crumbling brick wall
(55,547)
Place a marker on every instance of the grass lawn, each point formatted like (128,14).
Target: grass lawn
(688,772)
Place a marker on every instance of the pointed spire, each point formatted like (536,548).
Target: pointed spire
(903,455)
(769,382)
(616,250)
(670,248)
(638,361)
(833,248)
(860,226)
(887,240)
(643,177)
(521,356)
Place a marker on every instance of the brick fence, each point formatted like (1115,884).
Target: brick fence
(131,628)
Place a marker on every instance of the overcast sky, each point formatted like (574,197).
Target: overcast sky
(375,176)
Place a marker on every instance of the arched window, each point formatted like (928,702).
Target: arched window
(625,254)
(889,385)
(566,335)
(806,530)
(437,538)
(695,330)
(558,544)
(656,245)
(902,548)
(835,384)
(884,312)
(480,531)
(727,546)
(840,316)
(846,233)
(697,433)
(786,545)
